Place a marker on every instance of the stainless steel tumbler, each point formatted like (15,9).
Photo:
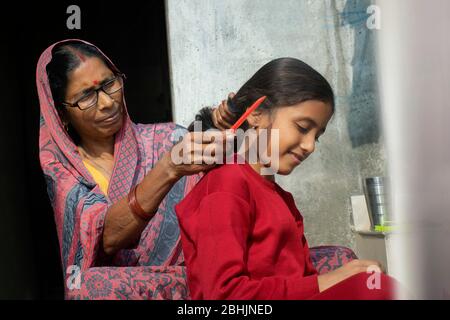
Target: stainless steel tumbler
(375,190)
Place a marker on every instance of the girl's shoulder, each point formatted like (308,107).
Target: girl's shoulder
(225,182)
(226,178)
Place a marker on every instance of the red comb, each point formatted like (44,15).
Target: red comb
(247,113)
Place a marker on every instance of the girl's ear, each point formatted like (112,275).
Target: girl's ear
(254,119)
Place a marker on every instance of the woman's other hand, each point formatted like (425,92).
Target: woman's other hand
(198,152)
(222,117)
(329,279)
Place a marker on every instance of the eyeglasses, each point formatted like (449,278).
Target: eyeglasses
(90,99)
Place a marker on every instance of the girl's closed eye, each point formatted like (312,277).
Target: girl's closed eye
(304,130)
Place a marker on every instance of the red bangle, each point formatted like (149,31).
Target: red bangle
(135,207)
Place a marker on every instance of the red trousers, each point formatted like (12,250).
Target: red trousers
(361,286)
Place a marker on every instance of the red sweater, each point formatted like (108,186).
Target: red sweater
(242,238)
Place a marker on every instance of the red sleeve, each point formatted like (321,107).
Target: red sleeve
(219,230)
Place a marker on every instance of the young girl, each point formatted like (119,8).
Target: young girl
(242,234)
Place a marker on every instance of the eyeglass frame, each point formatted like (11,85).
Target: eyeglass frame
(120,76)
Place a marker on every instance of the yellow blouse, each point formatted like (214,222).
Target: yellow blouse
(99,178)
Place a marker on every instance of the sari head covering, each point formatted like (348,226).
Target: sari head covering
(151,269)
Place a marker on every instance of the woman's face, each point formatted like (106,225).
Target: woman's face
(103,120)
(299,127)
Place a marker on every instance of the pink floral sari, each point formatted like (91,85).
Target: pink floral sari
(153,268)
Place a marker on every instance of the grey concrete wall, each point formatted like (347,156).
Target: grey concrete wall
(216,45)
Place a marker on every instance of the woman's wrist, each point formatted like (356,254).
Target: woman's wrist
(169,168)
(135,206)
(155,185)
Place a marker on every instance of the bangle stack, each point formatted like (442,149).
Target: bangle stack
(136,208)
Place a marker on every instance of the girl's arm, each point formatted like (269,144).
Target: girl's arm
(332,278)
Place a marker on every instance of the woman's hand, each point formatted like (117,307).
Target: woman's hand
(122,227)
(329,279)
(198,152)
(222,117)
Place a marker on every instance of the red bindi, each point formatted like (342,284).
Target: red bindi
(95,82)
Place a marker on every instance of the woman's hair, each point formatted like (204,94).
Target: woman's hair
(66,57)
(285,82)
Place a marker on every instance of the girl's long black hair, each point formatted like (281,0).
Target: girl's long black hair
(285,82)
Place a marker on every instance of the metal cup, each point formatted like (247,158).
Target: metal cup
(375,190)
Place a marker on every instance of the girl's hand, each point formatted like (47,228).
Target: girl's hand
(196,152)
(222,117)
(329,279)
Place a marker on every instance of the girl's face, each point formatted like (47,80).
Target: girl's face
(300,127)
(102,120)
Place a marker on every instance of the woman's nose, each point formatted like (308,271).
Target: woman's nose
(104,101)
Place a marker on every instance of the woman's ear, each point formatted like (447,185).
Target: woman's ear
(63,116)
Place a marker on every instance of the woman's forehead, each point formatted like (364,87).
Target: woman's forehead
(89,73)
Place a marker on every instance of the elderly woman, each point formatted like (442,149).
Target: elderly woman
(112,183)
